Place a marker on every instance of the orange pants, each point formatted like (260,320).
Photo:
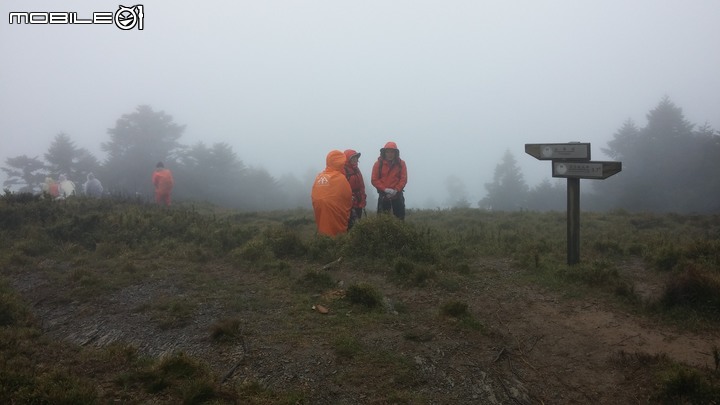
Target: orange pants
(162,198)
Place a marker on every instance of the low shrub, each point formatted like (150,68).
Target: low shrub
(666,258)
(693,289)
(284,242)
(454,309)
(325,249)
(386,237)
(682,385)
(225,330)
(365,295)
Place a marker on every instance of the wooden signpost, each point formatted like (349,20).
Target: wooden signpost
(572,161)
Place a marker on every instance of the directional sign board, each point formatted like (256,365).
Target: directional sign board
(553,151)
(572,161)
(585,170)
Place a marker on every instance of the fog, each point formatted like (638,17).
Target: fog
(454,83)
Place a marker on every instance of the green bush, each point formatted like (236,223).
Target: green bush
(325,249)
(386,237)
(284,242)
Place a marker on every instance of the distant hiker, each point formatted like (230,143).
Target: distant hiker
(357,185)
(331,196)
(162,179)
(92,187)
(50,187)
(389,177)
(66,188)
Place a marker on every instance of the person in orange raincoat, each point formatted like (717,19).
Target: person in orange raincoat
(162,179)
(332,196)
(357,184)
(389,177)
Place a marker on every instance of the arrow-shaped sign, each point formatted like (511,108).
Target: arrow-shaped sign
(552,151)
(585,170)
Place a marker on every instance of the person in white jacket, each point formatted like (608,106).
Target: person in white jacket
(66,188)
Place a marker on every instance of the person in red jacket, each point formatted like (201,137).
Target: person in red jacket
(389,177)
(162,179)
(357,184)
(331,196)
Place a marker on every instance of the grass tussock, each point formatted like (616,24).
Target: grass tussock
(459,311)
(315,281)
(178,376)
(347,347)
(682,385)
(364,295)
(385,237)
(408,273)
(694,289)
(673,382)
(225,330)
(12,311)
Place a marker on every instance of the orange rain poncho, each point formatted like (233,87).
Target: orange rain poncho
(163,181)
(332,197)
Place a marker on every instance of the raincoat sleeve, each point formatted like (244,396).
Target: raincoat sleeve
(374,178)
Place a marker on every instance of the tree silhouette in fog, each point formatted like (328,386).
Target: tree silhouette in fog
(138,141)
(24,173)
(508,190)
(63,157)
(667,165)
(209,174)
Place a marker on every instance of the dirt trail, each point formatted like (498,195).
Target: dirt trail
(565,349)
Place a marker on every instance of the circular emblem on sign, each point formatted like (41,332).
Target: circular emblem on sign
(561,168)
(547,151)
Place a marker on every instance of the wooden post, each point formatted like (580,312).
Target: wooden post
(573,221)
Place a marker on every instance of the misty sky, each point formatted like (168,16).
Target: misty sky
(454,83)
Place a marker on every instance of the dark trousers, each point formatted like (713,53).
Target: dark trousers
(395,205)
(355,215)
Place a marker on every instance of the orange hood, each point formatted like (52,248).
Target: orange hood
(335,160)
(390,145)
(349,153)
